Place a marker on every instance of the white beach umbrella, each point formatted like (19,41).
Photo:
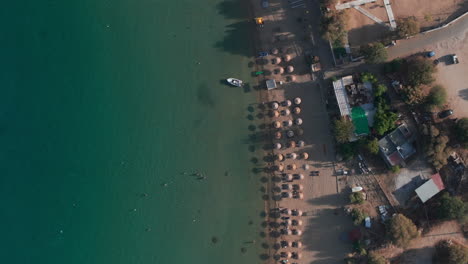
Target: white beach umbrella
(290,133)
(274,105)
(286,103)
(274,51)
(292,144)
(297,232)
(297,100)
(287,123)
(304,155)
(287,57)
(277,145)
(276,124)
(277,60)
(289,69)
(292,155)
(285,112)
(301,143)
(299,176)
(306,166)
(298,121)
(288,177)
(296,110)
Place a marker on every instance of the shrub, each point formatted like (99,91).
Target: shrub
(451,207)
(347,150)
(375,258)
(401,230)
(374,53)
(437,97)
(380,90)
(359,248)
(358,216)
(395,169)
(333,27)
(343,129)
(368,77)
(393,66)
(420,72)
(384,121)
(461,131)
(413,95)
(448,252)
(372,146)
(356,198)
(408,27)
(436,148)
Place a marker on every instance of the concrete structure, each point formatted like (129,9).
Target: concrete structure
(397,146)
(340,93)
(430,188)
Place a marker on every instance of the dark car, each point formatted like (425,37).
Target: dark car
(445,113)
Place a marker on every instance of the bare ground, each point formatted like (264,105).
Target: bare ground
(429,13)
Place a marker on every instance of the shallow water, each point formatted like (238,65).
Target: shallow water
(103,106)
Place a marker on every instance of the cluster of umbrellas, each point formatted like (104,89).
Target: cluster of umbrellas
(289,227)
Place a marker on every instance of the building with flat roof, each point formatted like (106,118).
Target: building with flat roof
(355,101)
(397,146)
(430,188)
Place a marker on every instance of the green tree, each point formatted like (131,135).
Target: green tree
(356,198)
(358,216)
(368,77)
(384,121)
(375,258)
(396,169)
(372,146)
(343,129)
(393,66)
(450,252)
(437,97)
(401,230)
(451,207)
(420,72)
(380,90)
(348,150)
(461,131)
(408,27)
(374,53)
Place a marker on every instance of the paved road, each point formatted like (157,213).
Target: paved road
(417,44)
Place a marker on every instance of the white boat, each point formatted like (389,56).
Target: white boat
(234,81)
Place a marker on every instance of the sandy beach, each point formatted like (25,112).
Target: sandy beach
(291,34)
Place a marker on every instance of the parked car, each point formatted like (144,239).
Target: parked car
(430,54)
(445,113)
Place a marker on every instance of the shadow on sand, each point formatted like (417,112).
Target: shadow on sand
(463,94)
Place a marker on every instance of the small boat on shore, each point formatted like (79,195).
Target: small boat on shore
(234,82)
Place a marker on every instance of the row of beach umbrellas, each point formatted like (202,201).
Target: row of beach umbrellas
(293,166)
(286,103)
(287,123)
(285,112)
(292,155)
(290,144)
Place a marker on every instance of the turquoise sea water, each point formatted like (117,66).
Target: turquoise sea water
(103,103)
